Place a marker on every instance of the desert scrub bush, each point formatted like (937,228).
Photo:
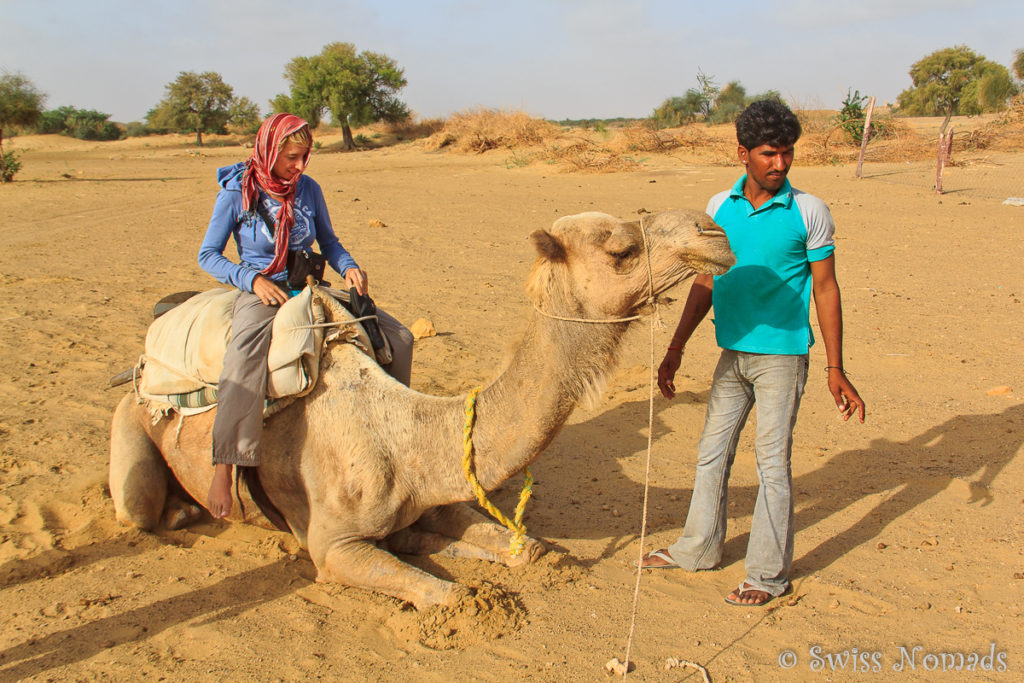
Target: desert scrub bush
(584,155)
(84,124)
(693,137)
(9,165)
(136,129)
(850,119)
(410,129)
(643,138)
(479,130)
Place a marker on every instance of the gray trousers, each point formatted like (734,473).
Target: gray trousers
(242,387)
(776,384)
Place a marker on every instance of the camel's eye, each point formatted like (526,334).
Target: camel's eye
(623,255)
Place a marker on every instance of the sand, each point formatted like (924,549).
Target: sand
(908,551)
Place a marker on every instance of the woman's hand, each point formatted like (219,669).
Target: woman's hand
(268,292)
(355,277)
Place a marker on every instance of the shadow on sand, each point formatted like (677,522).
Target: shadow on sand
(972,448)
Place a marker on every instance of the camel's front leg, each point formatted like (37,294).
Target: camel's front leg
(414,541)
(358,562)
(463,523)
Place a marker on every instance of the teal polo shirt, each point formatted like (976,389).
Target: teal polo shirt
(762,304)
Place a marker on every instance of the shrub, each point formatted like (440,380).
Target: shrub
(850,120)
(136,129)
(84,124)
(9,165)
(851,116)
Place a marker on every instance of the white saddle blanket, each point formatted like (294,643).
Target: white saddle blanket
(185,346)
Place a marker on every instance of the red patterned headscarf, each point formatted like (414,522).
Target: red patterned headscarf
(259,172)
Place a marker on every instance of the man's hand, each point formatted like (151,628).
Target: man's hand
(354,277)
(268,292)
(847,399)
(667,372)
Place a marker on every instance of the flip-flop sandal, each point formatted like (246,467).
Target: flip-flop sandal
(740,590)
(661,555)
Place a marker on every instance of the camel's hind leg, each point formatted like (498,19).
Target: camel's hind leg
(138,474)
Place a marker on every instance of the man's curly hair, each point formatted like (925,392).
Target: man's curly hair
(767,122)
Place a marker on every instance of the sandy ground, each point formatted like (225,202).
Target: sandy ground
(908,551)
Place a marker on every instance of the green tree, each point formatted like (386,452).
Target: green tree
(20,105)
(730,102)
(1018,64)
(199,103)
(355,89)
(949,82)
(990,91)
(282,104)
(244,116)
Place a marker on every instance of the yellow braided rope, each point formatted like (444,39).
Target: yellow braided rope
(517,527)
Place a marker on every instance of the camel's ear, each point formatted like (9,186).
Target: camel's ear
(548,245)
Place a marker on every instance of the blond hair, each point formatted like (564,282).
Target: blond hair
(302,137)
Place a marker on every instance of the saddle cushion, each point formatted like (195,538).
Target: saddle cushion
(185,347)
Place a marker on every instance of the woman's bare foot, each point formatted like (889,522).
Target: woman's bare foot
(218,500)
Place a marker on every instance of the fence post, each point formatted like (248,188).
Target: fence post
(864,136)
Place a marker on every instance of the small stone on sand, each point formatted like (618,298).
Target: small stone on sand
(422,328)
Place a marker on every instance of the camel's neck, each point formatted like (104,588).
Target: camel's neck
(523,409)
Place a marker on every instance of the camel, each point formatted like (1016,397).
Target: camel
(363,466)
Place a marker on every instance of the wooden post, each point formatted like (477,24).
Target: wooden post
(865,135)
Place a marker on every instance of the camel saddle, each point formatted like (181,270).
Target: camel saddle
(185,348)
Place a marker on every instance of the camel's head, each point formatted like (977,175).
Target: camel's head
(594,265)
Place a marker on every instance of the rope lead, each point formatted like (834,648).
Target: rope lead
(516,526)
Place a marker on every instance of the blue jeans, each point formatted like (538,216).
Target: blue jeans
(776,383)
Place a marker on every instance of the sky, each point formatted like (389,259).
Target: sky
(555,59)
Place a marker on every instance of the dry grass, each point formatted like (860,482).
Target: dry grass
(531,140)
(409,130)
(588,156)
(1005,133)
(641,138)
(479,130)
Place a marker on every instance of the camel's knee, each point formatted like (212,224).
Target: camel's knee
(531,552)
(180,513)
(138,474)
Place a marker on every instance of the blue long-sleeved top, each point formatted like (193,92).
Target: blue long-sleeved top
(253,238)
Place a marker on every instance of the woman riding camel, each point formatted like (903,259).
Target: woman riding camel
(270,208)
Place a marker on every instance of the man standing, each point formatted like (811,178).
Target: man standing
(782,239)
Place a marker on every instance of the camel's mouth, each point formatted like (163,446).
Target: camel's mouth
(709,264)
(711,267)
